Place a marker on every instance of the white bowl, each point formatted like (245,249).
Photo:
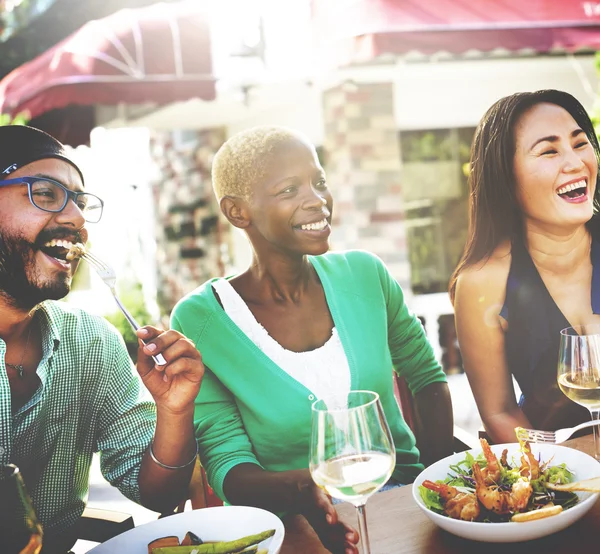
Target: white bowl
(582,466)
(222,523)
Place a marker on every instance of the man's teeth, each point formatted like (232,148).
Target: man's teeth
(60,243)
(572,186)
(314,226)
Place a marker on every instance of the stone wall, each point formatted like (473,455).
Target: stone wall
(363,165)
(192,239)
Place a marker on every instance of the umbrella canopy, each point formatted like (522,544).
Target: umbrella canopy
(159,54)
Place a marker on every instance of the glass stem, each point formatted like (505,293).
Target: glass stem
(362,529)
(596,418)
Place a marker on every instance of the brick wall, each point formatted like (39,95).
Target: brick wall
(362,153)
(192,239)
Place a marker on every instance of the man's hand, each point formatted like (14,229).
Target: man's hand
(319,511)
(175,385)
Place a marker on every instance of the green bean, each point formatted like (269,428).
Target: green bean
(226,547)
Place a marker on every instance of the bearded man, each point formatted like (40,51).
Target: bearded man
(67,385)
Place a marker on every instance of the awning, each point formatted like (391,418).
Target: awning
(357,31)
(159,54)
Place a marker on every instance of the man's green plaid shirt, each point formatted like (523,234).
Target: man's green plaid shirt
(89,400)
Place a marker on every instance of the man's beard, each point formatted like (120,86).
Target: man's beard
(21,284)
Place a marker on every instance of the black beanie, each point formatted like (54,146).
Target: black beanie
(21,145)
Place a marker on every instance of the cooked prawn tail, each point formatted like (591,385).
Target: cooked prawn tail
(457,505)
(444,490)
(492,472)
(478,476)
(530,467)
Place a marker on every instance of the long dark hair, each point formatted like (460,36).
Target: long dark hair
(494,213)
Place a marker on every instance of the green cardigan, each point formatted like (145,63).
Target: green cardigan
(251,411)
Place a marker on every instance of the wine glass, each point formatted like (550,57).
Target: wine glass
(352,452)
(579,370)
(20,532)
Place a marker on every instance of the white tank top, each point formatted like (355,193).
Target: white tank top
(324,371)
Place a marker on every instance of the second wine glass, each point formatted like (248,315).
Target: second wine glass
(579,371)
(352,452)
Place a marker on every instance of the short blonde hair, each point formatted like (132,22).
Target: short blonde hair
(242,160)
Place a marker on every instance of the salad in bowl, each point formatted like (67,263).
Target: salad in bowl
(491,489)
(505,493)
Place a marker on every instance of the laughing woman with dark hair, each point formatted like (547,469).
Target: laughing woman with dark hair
(531,266)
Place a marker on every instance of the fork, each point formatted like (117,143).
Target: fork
(553,437)
(108,275)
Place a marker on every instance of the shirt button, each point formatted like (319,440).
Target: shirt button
(311,397)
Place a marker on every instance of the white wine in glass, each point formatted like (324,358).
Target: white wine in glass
(20,532)
(352,452)
(579,370)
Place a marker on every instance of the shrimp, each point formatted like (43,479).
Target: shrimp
(530,467)
(491,473)
(499,501)
(457,505)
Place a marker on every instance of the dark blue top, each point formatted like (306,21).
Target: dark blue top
(533,338)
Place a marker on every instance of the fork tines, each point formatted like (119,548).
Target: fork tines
(535,435)
(93,259)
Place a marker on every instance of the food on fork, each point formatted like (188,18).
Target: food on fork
(63,250)
(76,251)
(521,433)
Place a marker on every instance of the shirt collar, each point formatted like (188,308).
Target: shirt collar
(50,319)
(50,323)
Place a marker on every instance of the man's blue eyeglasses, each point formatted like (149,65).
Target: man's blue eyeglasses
(51,196)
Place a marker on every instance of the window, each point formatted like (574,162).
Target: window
(434,176)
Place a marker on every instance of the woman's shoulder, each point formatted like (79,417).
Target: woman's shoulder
(487,276)
(354,262)
(200,300)
(481,291)
(349,256)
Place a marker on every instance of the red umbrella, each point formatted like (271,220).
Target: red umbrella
(158,54)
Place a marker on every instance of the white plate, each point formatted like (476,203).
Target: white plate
(222,523)
(582,465)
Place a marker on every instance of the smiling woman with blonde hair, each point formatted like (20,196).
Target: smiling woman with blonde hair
(300,324)
(531,266)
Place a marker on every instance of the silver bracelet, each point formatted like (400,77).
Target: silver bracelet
(165,466)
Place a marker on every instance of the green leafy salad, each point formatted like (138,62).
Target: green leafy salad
(493,499)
